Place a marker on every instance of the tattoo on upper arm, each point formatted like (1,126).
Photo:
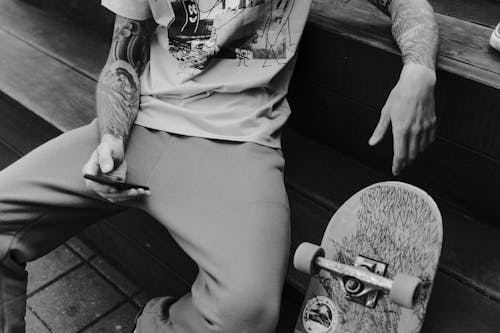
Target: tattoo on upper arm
(118,92)
(130,42)
(415,30)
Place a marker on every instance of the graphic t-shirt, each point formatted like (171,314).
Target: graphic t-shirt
(218,69)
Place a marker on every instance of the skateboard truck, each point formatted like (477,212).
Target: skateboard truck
(361,280)
(356,291)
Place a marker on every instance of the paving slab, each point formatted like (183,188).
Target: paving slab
(75,301)
(115,276)
(81,248)
(141,298)
(33,324)
(50,266)
(120,320)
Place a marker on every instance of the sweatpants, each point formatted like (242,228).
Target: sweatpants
(223,202)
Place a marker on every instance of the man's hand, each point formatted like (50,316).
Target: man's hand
(108,158)
(410,110)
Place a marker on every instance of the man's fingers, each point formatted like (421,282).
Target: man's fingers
(382,126)
(400,151)
(120,171)
(91,167)
(414,144)
(125,195)
(432,134)
(424,140)
(428,136)
(105,158)
(100,188)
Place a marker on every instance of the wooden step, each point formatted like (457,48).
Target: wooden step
(482,12)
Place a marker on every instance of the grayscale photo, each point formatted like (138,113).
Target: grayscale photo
(249,166)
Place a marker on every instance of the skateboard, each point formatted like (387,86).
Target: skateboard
(376,264)
(495,38)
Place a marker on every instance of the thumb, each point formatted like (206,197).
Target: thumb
(382,126)
(106,163)
(91,167)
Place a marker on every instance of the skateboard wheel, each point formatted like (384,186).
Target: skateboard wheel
(305,257)
(404,290)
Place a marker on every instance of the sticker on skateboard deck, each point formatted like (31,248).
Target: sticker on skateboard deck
(320,315)
(376,264)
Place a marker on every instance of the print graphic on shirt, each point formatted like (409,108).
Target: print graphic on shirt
(244,30)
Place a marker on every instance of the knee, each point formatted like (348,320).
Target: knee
(249,308)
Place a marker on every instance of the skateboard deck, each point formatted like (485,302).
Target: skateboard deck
(386,229)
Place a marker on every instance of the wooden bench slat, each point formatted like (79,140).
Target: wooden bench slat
(55,35)
(118,246)
(453,309)
(7,155)
(484,12)
(22,127)
(154,236)
(469,43)
(55,92)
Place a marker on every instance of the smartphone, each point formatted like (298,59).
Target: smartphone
(113,181)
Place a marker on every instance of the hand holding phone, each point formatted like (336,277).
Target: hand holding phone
(114,181)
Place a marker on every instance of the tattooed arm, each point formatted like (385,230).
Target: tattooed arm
(414,28)
(118,96)
(410,105)
(118,89)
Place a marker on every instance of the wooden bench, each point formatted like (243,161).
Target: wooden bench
(347,66)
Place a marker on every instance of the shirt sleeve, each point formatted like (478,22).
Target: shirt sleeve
(131,9)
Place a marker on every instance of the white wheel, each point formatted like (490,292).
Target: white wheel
(305,256)
(405,290)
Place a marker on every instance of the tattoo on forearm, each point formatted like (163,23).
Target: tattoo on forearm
(118,97)
(118,89)
(415,30)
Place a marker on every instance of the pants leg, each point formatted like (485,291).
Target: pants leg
(226,205)
(43,202)
(223,202)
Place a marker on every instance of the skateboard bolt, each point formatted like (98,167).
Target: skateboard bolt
(352,286)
